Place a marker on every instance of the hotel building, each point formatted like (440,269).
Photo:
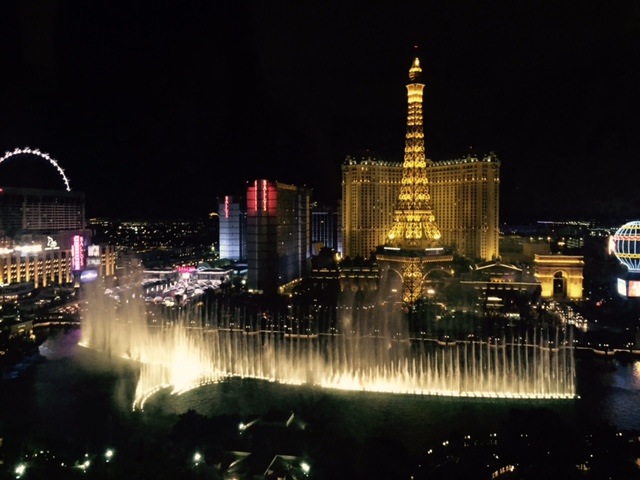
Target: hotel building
(24,210)
(370,188)
(232,228)
(278,235)
(39,228)
(325,228)
(45,240)
(464,195)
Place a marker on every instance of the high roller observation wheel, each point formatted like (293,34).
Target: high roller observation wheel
(38,153)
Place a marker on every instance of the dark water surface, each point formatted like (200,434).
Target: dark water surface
(77,399)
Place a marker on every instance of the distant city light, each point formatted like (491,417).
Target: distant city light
(108,455)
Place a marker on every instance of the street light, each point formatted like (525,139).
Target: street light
(108,455)
(20,469)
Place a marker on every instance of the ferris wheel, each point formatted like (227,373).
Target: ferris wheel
(43,155)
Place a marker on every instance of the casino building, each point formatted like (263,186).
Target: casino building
(38,227)
(44,239)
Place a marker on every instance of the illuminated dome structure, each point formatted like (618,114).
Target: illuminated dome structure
(625,245)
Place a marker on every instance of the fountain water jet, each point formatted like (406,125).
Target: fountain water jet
(371,351)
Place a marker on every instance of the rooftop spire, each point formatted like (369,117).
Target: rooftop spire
(415,70)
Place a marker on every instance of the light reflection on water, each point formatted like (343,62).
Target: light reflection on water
(61,344)
(621,403)
(414,421)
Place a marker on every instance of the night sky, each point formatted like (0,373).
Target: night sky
(155,109)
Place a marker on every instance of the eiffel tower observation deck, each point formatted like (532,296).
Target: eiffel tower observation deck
(413,245)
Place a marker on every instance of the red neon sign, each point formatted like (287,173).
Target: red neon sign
(186,269)
(255,197)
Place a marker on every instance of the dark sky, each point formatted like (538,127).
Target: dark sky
(154,109)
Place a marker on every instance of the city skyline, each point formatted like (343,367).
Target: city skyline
(155,111)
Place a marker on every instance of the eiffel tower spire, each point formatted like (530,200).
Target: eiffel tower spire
(414,223)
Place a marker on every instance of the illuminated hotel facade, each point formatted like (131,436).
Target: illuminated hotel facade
(39,267)
(278,235)
(27,209)
(370,188)
(39,227)
(232,228)
(45,239)
(466,199)
(43,265)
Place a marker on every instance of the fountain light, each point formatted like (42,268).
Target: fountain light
(188,351)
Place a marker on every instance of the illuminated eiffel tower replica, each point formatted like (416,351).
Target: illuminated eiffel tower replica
(413,245)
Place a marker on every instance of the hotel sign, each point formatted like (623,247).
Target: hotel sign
(93,256)
(77,253)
